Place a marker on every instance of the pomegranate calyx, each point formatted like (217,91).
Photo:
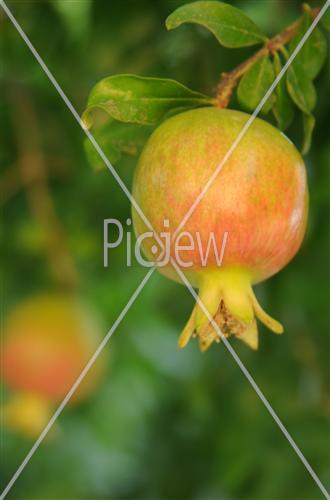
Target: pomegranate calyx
(230,301)
(27,414)
(267,320)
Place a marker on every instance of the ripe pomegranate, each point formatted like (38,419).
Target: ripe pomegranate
(48,340)
(259,198)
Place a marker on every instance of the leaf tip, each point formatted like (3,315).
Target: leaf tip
(171,23)
(309,125)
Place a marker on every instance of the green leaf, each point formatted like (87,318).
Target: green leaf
(135,99)
(116,138)
(301,89)
(312,55)
(255,84)
(309,124)
(283,108)
(326,19)
(229,25)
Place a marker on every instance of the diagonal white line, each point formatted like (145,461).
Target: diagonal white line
(252,382)
(138,209)
(76,384)
(251,119)
(75,114)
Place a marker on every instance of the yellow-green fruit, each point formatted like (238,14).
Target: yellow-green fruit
(259,199)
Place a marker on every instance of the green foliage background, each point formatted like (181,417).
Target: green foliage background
(164,424)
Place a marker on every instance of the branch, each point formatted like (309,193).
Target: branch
(31,163)
(229,81)
(11,181)
(10,184)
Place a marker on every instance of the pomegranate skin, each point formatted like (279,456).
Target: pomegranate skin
(259,197)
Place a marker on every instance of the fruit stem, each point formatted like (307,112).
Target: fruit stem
(228,81)
(33,171)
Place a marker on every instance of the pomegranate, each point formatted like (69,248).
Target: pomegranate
(48,340)
(259,199)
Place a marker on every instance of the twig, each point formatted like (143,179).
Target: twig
(11,182)
(229,81)
(32,168)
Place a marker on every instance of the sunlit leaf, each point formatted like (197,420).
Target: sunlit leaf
(283,108)
(229,25)
(301,89)
(255,84)
(135,99)
(115,139)
(309,125)
(312,55)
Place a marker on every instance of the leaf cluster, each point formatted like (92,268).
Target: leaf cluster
(143,102)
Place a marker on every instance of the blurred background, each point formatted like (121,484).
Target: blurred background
(160,423)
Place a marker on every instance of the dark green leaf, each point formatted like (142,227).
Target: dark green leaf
(326,19)
(283,108)
(301,89)
(134,99)
(229,25)
(312,55)
(309,124)
(255,84)
(116,138)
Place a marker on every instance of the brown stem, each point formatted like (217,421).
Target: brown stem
(11,181)
(10,184)
(31,163)
(228,81)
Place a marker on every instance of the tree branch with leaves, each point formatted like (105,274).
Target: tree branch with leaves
(143,102)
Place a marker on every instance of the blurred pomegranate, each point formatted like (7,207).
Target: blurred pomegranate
(48,340)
